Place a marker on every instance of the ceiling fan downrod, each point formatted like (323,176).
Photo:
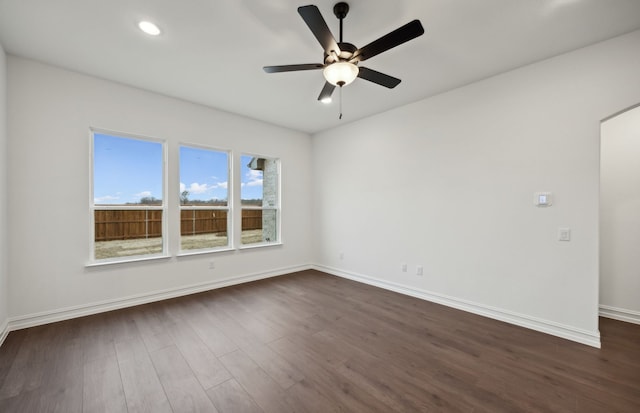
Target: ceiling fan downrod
(341,10)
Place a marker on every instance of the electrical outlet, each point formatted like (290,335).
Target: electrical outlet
(403,267)
(564,234)
(419,270)
(212,265)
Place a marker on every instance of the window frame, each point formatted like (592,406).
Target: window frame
(277,208)
(228,208)
(93,261)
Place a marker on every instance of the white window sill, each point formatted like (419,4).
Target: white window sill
(203,251)
(125,260)
(260,245)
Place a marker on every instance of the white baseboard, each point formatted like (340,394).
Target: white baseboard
(549,327)
(53,316)
(545,326)
(620,314)
(4,331)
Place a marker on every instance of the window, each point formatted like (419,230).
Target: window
(127,205)
(204,199)
(260,200)
(129,208)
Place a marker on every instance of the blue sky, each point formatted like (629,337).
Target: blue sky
(126,170)
(204,173)
(251,186)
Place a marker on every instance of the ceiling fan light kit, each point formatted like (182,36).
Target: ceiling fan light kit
(341,59)
(340,73)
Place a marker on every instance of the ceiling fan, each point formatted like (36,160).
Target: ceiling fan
(341,59)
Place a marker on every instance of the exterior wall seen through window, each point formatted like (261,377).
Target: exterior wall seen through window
(260,199)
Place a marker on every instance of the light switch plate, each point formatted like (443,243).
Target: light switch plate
(564,234)
(543,199)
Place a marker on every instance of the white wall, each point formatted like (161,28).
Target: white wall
(620,216)
(448,183)
(50,112)
(4,275)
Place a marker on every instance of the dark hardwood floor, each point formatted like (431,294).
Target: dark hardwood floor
(311,342)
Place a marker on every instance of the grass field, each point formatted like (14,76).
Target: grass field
(142,246)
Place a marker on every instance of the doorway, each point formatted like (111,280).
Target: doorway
(620,216)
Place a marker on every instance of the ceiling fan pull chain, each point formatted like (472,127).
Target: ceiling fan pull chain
(340,117)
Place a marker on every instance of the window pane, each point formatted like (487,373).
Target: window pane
(259,196)
(251,226)
(204,177)
(126,171)
(129,173)
(203,229)
(259,226)
(125,233)
(251,170)
(204,181)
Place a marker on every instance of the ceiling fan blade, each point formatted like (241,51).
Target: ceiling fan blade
(377,77)
(318,26)
(292,68)
(327,90)
(395,38)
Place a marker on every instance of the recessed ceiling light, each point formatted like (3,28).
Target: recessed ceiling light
(149,28)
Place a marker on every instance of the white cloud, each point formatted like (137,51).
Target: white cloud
(196,188)
(105,199)
(254,174)
(254,178)
(143,194)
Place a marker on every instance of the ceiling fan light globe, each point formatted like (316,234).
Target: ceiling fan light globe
(340,73)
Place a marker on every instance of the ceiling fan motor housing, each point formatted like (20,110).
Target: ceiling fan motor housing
(346,51)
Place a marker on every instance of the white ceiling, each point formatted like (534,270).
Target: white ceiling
(212,51)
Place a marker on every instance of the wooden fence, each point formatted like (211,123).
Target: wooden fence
(200,221)
(124,224)
(127,224)
(251,219)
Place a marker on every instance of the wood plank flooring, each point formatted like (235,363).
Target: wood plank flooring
(311,342)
